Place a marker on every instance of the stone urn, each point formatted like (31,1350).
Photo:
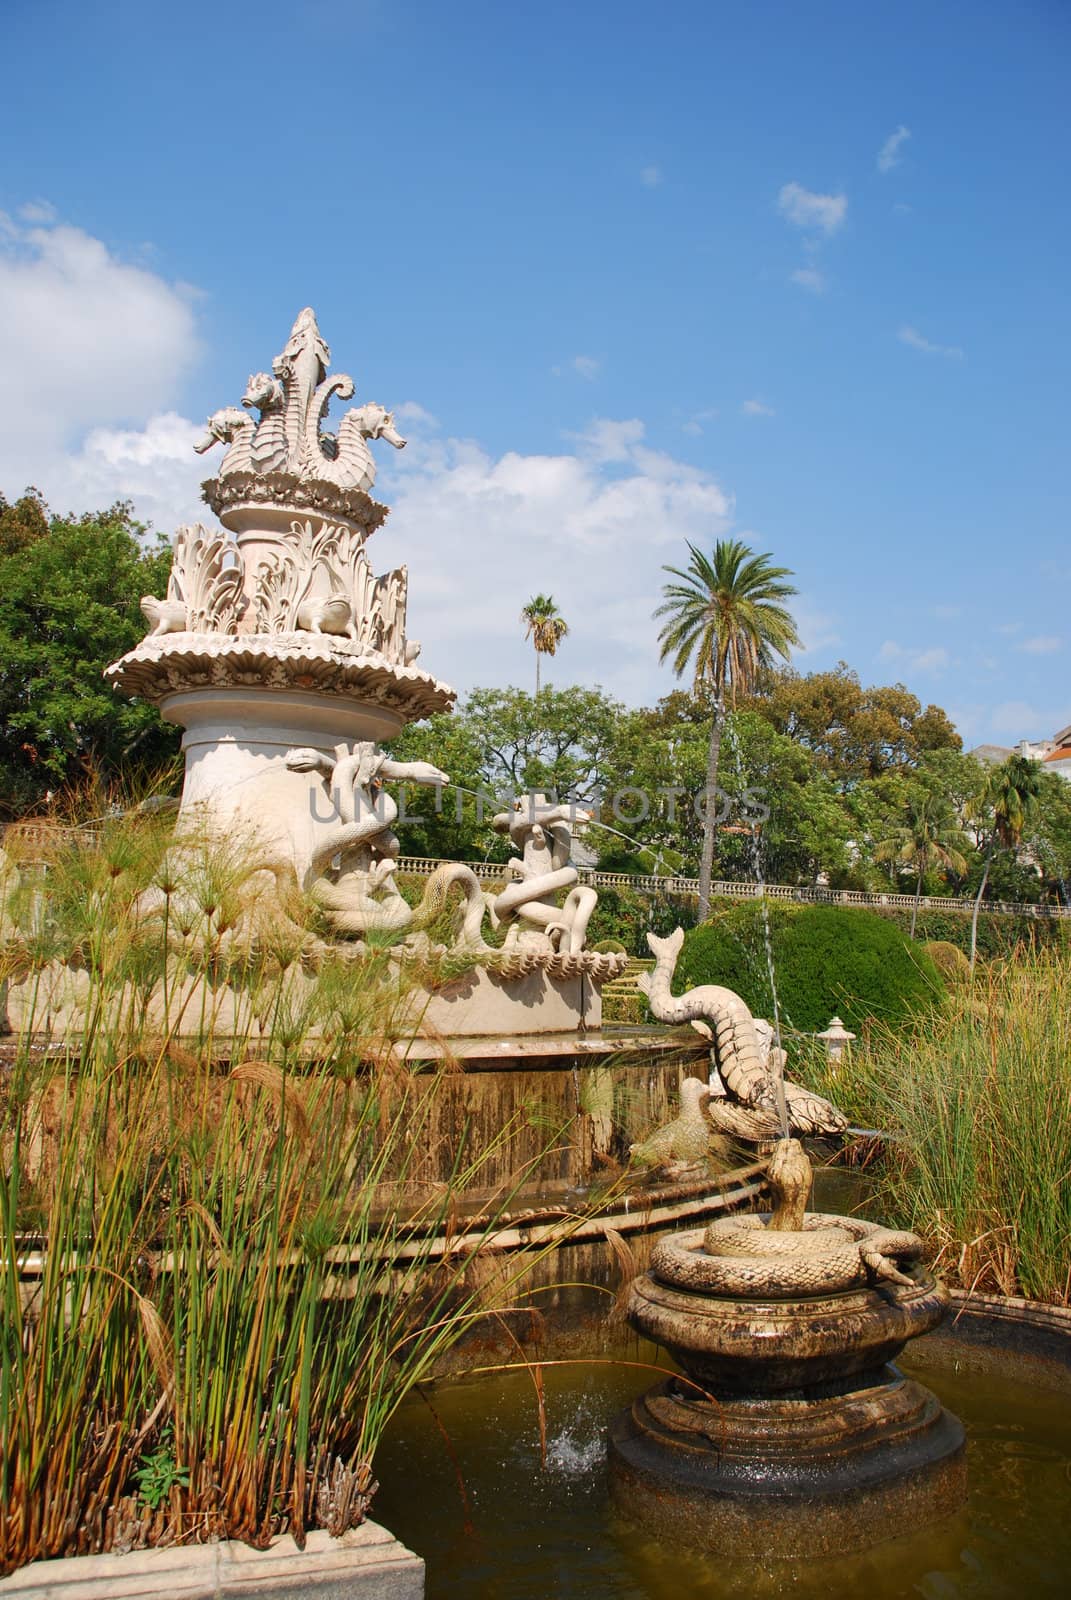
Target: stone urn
(790,1432)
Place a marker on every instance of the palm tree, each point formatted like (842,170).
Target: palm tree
(544,627)
(929,839)
(724,619)
(1008,803)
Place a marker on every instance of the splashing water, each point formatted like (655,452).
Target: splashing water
(777,1060)
(578,1449)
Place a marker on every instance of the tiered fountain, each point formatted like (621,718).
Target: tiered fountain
(286,659)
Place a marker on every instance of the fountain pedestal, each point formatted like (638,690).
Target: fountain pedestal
(790,1432)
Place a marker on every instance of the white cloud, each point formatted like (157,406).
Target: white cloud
(816,628)
(806,209)
(154,466)
(810,278)
(587,367)
(931,660)
(414,415)
(593,525)
(90,342)
(605,440)
(651,176)
(911,336)
(889,154)
(1022,720)
(41,211)
(1042,644)
(696,423)
(757,408)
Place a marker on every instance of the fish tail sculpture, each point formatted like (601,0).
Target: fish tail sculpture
(750,1107)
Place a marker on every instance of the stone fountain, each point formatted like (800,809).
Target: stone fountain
(790,1432)
(286,660)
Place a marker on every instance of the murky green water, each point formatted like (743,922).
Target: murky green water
(492,1524)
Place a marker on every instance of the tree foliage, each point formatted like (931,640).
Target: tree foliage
(69,591)
(724,620)
(853,733)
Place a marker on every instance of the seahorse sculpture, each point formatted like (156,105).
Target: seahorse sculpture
(292,401)
(233,428)
(346,460)
(749,1108)
(268,449)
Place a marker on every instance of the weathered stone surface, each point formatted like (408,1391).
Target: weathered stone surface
(365,1564)
(789,1433)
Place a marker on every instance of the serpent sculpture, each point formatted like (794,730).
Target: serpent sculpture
(790,1252)
(362,895)
(543,834)
(749,1107)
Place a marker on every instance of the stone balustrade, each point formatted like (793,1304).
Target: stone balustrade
(644,883)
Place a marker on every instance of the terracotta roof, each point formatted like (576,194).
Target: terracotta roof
(1062,754)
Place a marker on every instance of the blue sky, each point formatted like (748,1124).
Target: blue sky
(795,271)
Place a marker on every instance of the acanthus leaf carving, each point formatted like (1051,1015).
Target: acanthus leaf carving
(204,590)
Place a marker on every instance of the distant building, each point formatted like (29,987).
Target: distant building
(991,755)
(1054,754)
(1058,758)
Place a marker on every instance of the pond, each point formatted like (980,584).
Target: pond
(463,1485)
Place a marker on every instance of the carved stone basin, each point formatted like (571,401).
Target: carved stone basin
(789,1431)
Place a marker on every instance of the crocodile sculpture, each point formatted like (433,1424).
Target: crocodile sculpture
(749,1108)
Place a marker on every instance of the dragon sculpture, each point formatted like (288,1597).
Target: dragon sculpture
(360,895)
(745,1091)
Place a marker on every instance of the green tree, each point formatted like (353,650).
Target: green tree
(69,593)
(502,742)
(855,733)
(724,620)
(544,626)
(1007,805)
(928,839)
(1049,835)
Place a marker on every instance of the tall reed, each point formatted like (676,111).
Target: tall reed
(978,1102)
(218,1277)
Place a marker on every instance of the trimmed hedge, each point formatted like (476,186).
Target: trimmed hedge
(998,935)
(828,960)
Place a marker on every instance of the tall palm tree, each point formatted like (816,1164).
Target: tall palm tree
(1007,804)
(928,839)
(544,627)
(724,619)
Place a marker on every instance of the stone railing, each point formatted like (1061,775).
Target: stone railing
(44,838)
(643,883)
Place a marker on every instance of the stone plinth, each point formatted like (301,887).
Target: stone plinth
(483,1004)
(246,702)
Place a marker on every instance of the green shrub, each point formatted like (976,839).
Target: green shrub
(998,935)
(827,960)
(949,960)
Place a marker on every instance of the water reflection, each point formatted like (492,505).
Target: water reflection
(550,1534)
